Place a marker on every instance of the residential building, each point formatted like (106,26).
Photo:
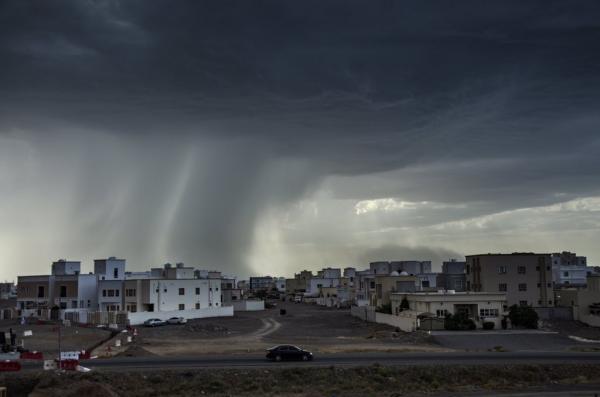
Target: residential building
(452,276)
(411,267)
(584,301)
(110,274)
(569,269)
(385,285)
(525,278)
(261,283)
(298,284)
(8,291)
(479,306)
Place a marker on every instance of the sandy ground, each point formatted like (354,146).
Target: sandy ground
(45,337)
(312,327)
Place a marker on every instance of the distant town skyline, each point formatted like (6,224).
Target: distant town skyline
(267,138)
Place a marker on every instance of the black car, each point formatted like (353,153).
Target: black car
(288,352)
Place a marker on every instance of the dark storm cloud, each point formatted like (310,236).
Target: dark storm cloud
(490,104)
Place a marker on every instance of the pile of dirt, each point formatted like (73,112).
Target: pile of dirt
(207,328)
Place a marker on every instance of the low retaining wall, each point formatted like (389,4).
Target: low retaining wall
(554,313)
(404,323)
(139,317)
(248,305)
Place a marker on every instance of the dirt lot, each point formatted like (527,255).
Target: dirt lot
(45,336)
(315,328)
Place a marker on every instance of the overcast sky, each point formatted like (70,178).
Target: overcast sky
(268,136)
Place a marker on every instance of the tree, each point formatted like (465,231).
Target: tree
(387,308)
(404,304)
(523,316)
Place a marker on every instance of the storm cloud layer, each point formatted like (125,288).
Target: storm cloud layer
(269,136)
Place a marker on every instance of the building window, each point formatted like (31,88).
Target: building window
(111,292)
(549,285)
(441,313)
(502,287)
(468,269)
(197,306)
(425,284)
(488,312)
(372,284)
(103,292)
(41,292)
(549,302)
(197,291)
(522,287)
(181,292)
(537,268)
(130,292)
(539,285)
(181,306)
(540,303)
(522,303)
(117,292)
(521,269)
(565,274)
(502,270)
(63,291)
(115,273)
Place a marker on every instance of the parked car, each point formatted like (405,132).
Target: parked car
(288,352)
(177,320)
(154,322)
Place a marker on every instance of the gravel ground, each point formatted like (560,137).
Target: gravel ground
(45,336)
(313,327)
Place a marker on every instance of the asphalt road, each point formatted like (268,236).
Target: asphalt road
(346,359)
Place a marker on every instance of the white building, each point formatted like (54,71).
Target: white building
(110,274)
(479,306)
(569,269)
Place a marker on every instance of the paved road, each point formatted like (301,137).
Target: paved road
(347,359)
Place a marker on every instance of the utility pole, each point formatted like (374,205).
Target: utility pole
(59,336)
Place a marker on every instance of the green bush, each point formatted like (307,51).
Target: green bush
(523,317)
(488,325)
(459,322)
(387,308)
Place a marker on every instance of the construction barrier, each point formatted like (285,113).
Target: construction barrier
(10,366)
(69,365)
(32,356)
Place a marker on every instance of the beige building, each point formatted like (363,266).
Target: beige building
(585,301)
(385,285)
(479,306)
(525,278)
(298,284)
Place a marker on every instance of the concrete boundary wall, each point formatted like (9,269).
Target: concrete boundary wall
(248,305)
(555,313)
(592,321)
(139,317)
(365,313)
(404,323)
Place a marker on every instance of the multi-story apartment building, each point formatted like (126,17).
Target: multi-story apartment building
(65,288)
(525,278)
(453,276)
(298,284)
(261,283)
(569,269)
(110,274)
